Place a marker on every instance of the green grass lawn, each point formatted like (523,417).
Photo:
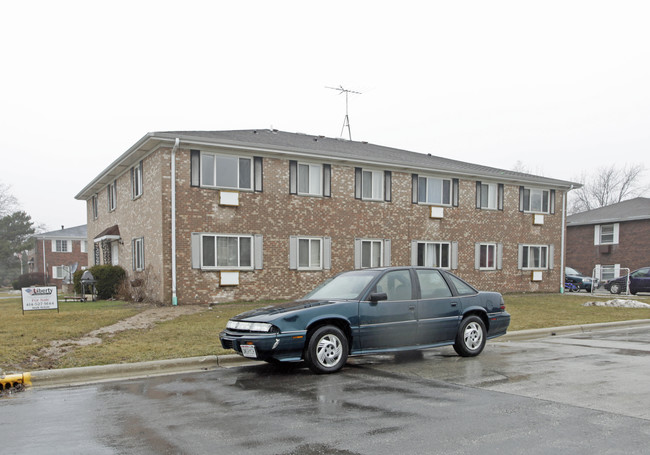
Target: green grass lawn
(21,336)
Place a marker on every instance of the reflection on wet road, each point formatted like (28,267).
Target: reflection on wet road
(533,394)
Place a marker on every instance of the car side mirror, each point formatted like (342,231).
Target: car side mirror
(377,296)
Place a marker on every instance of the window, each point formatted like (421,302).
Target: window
(372,185)
(432,284)
(487,256)
(226,251)
(433,254)
(62,246)
(61,273)
(606,234)
(138,254)
(536,200)
(136,181)
(534,257)
(396,285)
(83,245)
(224,171)
(309,254)
(489,196)
(461,287)
(93,205)
(433,190)
(112,196)
(309,179)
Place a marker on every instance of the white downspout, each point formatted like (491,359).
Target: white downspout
(44,264)
(173,183)
(562,247)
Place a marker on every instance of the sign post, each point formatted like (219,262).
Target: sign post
(40,298)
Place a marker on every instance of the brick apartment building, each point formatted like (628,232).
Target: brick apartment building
(57,253)
(264,214)
(611,238)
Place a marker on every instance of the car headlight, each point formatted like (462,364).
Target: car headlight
(249,326)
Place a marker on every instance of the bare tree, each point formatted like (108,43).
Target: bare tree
(608,185)
(8,202)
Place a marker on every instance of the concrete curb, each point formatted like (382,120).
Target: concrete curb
(568,329)
(104,373)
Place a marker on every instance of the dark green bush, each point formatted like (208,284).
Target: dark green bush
(29,279)
(108,277)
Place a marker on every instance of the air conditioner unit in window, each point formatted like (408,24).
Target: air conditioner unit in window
(437,212)
(538,219)
(536,275)
(230,198)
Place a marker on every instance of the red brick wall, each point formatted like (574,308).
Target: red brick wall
(276,215)
(53,259)
(632,251)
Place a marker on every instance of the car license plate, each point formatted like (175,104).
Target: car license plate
(248,350)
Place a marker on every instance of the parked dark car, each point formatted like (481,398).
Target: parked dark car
(370,311)
(639,282)
(571,275)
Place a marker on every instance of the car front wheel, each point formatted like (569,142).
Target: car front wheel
(327,350)
(470,339)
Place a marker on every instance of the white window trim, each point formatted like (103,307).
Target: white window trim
(449,254)
(382,252)
(320,178)
(138,260)
(136,189)
(216,258)
(542,190)
(598,234)
(68,246)
(112,196)
(442,187)
(526,267)
(496,252)
(376,174)
(214,171)
(320,246)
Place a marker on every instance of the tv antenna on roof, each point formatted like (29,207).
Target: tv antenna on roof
(346,120)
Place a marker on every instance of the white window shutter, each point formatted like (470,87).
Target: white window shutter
(386,252)
(293,252)
(327,253)
(597,234)
(454,255)
(258,252)
(520,257)
(551,256)
(357,253)
(499,256)
(196,250)
(616,226)
(54,246)
(414,252)
(477,248)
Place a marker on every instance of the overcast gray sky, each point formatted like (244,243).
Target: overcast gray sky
(562,86)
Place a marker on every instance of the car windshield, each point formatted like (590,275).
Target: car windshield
(348,285)
(570,271)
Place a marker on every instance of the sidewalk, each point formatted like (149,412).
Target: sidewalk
(103,373)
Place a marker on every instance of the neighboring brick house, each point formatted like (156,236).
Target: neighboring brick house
(58,252)
(264,214)
(611,238)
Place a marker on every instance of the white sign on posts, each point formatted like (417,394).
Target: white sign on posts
(40,298)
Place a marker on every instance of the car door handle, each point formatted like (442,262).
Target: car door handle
(412,307)
(454,303)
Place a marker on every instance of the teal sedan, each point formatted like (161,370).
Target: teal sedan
(370,311)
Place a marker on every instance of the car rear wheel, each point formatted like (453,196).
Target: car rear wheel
(327,350)
(470,339)
(615,288)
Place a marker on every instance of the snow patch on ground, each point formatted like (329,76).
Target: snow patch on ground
(619,303)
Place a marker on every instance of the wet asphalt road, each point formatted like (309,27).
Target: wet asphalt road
(576,394)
